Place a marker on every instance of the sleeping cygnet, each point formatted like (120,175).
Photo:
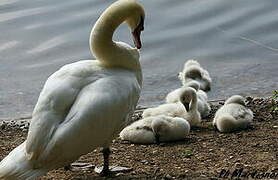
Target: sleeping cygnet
(156,129)
(193,71)
(139,132)
(233,115)
(168,128)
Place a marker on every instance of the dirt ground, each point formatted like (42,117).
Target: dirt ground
(202,155)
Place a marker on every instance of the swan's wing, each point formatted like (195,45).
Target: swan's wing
(96,117)
(55,100)
(242,114)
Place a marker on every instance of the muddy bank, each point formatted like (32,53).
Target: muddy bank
(203,154)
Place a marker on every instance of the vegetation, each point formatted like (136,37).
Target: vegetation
(274,101)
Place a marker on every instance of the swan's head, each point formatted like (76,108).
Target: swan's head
(187,96)
(237,99)
(136,23)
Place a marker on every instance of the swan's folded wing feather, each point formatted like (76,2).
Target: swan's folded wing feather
(97,115)
(55,100)
(71,102)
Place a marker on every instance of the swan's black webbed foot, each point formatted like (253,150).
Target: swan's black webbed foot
(107,170)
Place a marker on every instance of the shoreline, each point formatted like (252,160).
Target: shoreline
(253,149)
(22,123)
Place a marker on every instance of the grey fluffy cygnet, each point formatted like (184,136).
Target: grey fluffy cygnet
(233,115)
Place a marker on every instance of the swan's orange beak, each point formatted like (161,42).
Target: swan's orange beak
(137,33)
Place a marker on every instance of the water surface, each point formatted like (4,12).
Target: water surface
(236,41)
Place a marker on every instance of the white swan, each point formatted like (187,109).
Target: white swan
(83,105)
(233,115)
(139,132)
(156,129)
(193,71)
(185,107)
(202,99)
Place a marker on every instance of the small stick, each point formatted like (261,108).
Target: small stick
(217,100)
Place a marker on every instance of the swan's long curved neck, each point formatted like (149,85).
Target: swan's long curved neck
(101,36)
(101,43)
(193,103)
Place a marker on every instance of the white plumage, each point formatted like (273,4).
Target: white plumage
(202,98)
(193,71)
(185,107)
(83,105)
(156,129)
(139,132)
(233,115)
(168,128)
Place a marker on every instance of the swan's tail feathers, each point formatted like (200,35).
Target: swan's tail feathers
(227,123)
(16,166)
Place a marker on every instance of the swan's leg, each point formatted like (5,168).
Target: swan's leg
(105,171)
(215,128)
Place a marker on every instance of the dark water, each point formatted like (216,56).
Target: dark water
(236,41)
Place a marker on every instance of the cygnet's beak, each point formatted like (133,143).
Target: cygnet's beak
(186,105)
(137,33)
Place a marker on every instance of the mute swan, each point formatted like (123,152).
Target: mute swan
(202,104)
(84,105)
(156,129)
(193,71)
(233,115)
(185,107)
(139,132)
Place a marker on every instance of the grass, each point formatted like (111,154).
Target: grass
(274,101)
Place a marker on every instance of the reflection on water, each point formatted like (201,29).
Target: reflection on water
(235,40)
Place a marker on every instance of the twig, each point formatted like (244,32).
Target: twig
(217,100)
(24,117)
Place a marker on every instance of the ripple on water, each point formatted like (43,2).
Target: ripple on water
(234,40)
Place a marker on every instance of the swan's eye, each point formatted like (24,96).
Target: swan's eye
(141,24)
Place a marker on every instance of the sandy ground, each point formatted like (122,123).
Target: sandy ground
(202,155)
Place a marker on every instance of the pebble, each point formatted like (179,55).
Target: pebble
(15,124)
(119,174)
(144,161)
(168,176)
